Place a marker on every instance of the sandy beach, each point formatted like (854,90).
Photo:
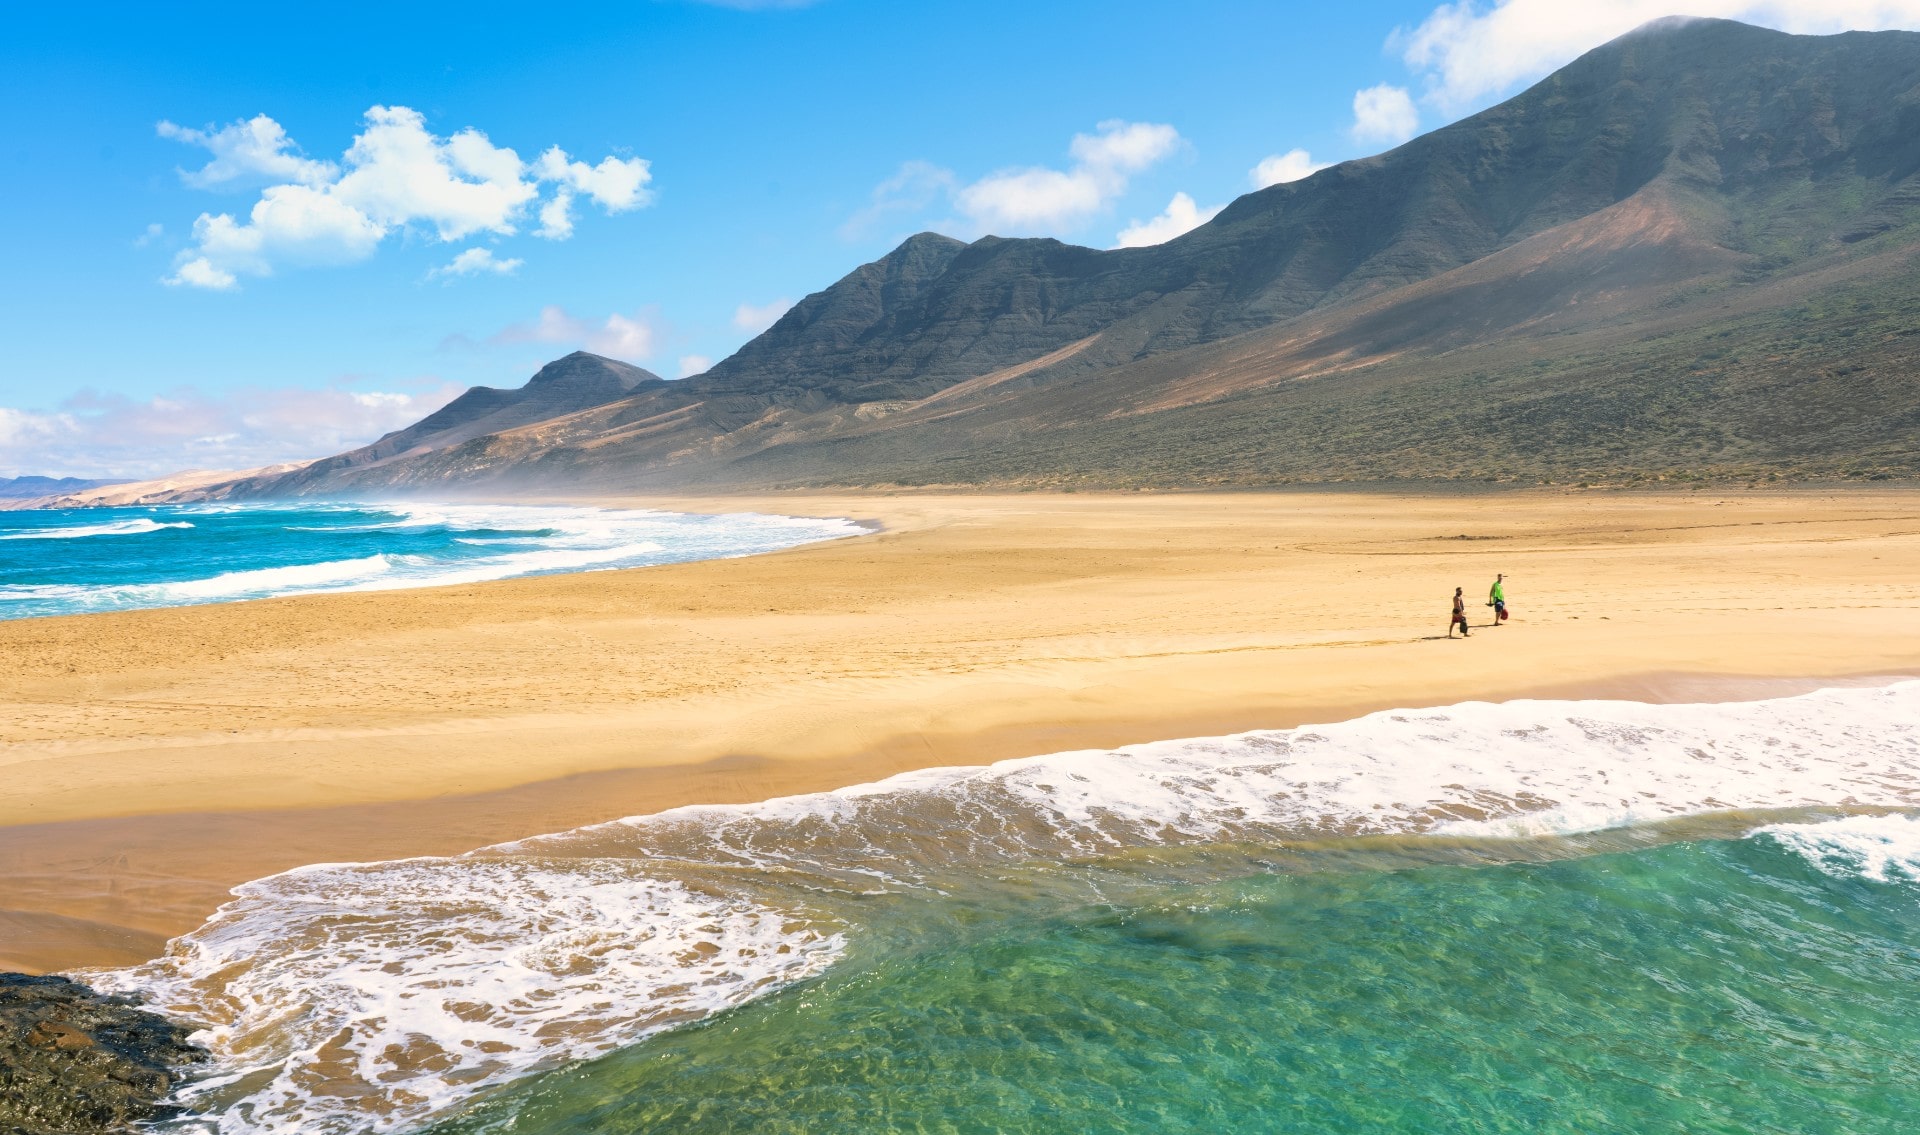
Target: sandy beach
(154,759)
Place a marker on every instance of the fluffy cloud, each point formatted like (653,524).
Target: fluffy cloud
(1033,200)
(633,338)
(1470,50)
(254,150)
(1277,169)
(475,262)
(691,365)
(290,224)
(396,176)
(1039,200)
(621,337)
(102,435)
(556,216)
(1384,114)
(1180,216)
(755,319)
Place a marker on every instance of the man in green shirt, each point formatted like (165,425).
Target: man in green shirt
(1497,599)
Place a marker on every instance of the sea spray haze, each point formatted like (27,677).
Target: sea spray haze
(375,996)
(66,562)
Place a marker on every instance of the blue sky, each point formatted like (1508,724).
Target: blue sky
(242,234)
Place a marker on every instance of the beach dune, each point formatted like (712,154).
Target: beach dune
(151,760)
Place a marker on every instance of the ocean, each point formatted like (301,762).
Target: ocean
(1532,916)
(63,562)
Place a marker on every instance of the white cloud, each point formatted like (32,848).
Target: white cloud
(755,319)
(19,428)
(1032,200)
(1041,200)
(1124,147)
(252,150)
(691,365)
(290,224)
(401,174)
(1384,114)
(397,175)
(153,232)
(475,261)
(556,216)
(1180,216)
(624,338)
(915,186)
(616,184)
(1277,169)
(200,273)
(111,435)
(632,338)
(1470,50)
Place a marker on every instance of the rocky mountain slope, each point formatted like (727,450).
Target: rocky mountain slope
(577,382)
(1690,253)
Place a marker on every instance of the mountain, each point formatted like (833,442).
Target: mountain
(577,382)
(28,488)
(1689,253)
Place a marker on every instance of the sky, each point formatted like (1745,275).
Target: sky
(243,234)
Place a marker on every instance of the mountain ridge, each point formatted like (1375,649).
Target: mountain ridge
(1675,163)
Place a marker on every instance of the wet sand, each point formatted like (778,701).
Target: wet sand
(150,760)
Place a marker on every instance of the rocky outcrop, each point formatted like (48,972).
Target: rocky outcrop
(73,1061)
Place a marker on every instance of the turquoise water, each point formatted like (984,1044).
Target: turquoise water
(1539,916)
(59,562)
(1705,986)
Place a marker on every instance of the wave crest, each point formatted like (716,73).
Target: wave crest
(1881,848)
(119,528)
(448,975)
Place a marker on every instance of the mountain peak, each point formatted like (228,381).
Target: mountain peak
(1648,193)
(584,368)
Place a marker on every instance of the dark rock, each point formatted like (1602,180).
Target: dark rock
(73,1061)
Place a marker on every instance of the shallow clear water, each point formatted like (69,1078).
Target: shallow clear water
(59,562)
(1710,986)
(1530,916)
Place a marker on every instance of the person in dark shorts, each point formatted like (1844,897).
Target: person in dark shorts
(1459,613)
(1497,599)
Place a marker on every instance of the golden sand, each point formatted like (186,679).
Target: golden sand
(150,760)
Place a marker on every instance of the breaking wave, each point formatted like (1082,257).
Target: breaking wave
(119,528)
(371,996)
(266,551)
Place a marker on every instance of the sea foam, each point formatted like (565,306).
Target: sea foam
(411,984)
(120,528)
(273,550)
(369,997)
(1881,848)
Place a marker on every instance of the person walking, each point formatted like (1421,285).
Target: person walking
(1459,613)
(1497,599)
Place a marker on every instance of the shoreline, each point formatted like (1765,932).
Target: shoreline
(971,629)
(194,851)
